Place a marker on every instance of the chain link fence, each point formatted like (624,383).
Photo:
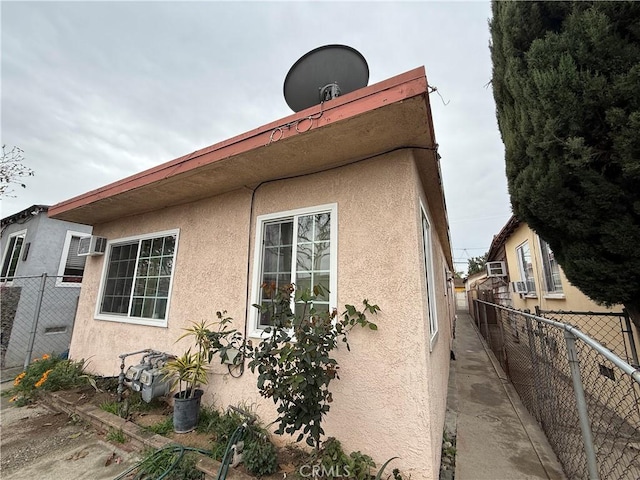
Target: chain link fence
(585,397)
(37,315)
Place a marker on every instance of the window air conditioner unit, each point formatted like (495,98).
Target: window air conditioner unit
(519,287)
(496,269)
(92,246)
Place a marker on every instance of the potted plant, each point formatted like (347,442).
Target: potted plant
(188,372)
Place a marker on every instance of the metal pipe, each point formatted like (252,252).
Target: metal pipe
(120,389)
(34,323)
(581,403)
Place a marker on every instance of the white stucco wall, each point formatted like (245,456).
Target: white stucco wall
(391,396)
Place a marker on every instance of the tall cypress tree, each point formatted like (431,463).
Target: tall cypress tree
(566,81)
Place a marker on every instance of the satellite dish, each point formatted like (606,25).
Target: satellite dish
(324,73)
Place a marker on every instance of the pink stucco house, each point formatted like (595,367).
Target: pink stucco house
(362,171)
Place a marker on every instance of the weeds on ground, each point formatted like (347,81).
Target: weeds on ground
(171,463)
(163,427)
(116,435)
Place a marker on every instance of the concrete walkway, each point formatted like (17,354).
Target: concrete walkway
(497,439)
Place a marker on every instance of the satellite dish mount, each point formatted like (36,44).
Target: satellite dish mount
(324,74)
(329,92)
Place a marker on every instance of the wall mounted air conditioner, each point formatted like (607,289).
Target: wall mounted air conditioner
(519,287)
(92,246)
(496,269)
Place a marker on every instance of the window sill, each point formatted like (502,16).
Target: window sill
(530,295)
(69,284)
(554,296)
(148,322)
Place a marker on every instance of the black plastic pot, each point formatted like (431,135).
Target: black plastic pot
(185,411)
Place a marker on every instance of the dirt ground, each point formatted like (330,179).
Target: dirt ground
(37,442)
(30,433)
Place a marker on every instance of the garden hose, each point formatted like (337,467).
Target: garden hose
(173,449)
(228,453)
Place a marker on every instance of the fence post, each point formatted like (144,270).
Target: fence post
(537,374)
(34,323)
(487,336)
(581,403)
(632,342)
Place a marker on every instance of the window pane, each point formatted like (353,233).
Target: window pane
(160,308)
(136,309)
(147,307)
(305,257)
(154,267)
(270,259)
(303,282)
(322,279)
(323,226)
(140,286)
(156,248)
(321,260)
(152,287)
(169,246)
(163,287)
(305,228)
(272,234)
(145,250)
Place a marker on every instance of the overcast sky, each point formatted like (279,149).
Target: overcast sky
(96,91)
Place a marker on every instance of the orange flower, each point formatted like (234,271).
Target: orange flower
(14,398)
(18,379)
(43,379)
(46,356)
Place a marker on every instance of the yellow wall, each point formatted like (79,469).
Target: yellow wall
(391,396)
(570,299)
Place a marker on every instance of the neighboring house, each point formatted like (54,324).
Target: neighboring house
(461,294)
(535,280)
(40,283)
(347,195)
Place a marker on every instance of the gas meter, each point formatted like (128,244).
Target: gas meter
(145,377)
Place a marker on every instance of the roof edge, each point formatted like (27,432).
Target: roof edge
(248,140)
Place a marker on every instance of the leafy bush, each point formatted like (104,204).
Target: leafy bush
(260,457)
(294,361)
(49,373)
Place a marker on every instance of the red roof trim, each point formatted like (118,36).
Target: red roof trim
(398,88)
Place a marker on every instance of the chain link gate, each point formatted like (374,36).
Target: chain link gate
(37,317)
(585,397)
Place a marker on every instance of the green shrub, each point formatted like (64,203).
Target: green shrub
(50,373)
(260,457)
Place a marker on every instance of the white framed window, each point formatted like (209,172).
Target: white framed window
(429,278)
(11,256)
(550,269)
(525,265)
(299,247)
(71,268)
(137,279)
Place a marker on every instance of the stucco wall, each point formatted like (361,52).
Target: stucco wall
(391,395)
(572,299)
